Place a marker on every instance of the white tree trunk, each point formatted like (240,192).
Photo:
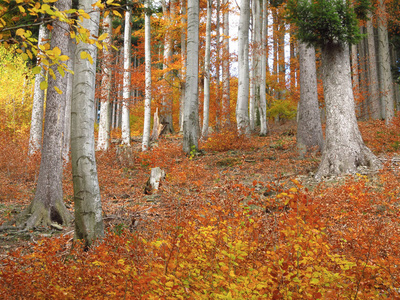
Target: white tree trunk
(242,113)
(373,84)
(35,138)
(254,66)
(88,211)
(264,49)
(103,140)
(183,67)
(207,75)
(386,82)
(344,148)
(147,98)
(226,110)
(191,115)
(125,124)
(309,129)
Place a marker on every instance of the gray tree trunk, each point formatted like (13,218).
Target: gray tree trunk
(47,206)
(167,100)
(309,129)
(147,98)
(183,67)
(103,140)
(386,81)
(242,107)
(226,110)
(344,148)
(88,211)
(373,83)
(217,68)
(35,137)
(264,49)
(207,74)
(125,124)
(191,114)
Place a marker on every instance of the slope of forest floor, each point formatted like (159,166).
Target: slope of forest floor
(242,219)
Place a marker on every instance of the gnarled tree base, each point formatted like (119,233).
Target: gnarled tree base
(37,215)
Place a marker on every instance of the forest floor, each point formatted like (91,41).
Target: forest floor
(232,177)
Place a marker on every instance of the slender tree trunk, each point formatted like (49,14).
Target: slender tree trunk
(191,116)
(183,67)
(226,111)
(35,138)
(88,210)
(103,141)
(264,49)
(344,148)
(68,95)
(386,82)
(125,124)
(355,76)
(373,84)
(309,129)
(167,100)
(217,69)
(363,78)
(207,75)
(47,206)
(147,99)
(242,114)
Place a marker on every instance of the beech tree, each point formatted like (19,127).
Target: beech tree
(35,137)
(242,106)
(48,206)
(191,111)
(87,201)
(226,110)
(147,99)
(332,25)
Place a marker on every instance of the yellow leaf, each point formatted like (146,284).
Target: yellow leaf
(72,34)
(169,284)
(58,90)
(20,32)
(21,8)
(43,85)
(45,7)
(103,36)
(116,13)
(56,51)
(36,70)
(89,57)
(106,14)
(84,55)
(61,71)
(63,57)
(24,56)
(83,14)
(29,53)
(51,73)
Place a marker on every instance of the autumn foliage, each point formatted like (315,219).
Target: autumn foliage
(240,221)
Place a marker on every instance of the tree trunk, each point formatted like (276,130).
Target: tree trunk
(88,211)
(386,82)
(183,67)
(147,99)
(166,99)
(226,110)
(35,138)
(206,103)
(344,148)
(103,140)
(373,84)
(47,206)
(217,69)
(309,129)
(191,116)
(264,49)
(125,124)
(242,114)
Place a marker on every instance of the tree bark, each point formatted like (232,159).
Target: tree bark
(88,210)
(309,129)
(47,206)
(183,66)
(206,102)
(147,98)
(191,115)
(35,137)
(103,140)
(217,69)
(242,114)
(226,110)
(68,95)
(344,148)
(386,81)
(264,49)
(125,124)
